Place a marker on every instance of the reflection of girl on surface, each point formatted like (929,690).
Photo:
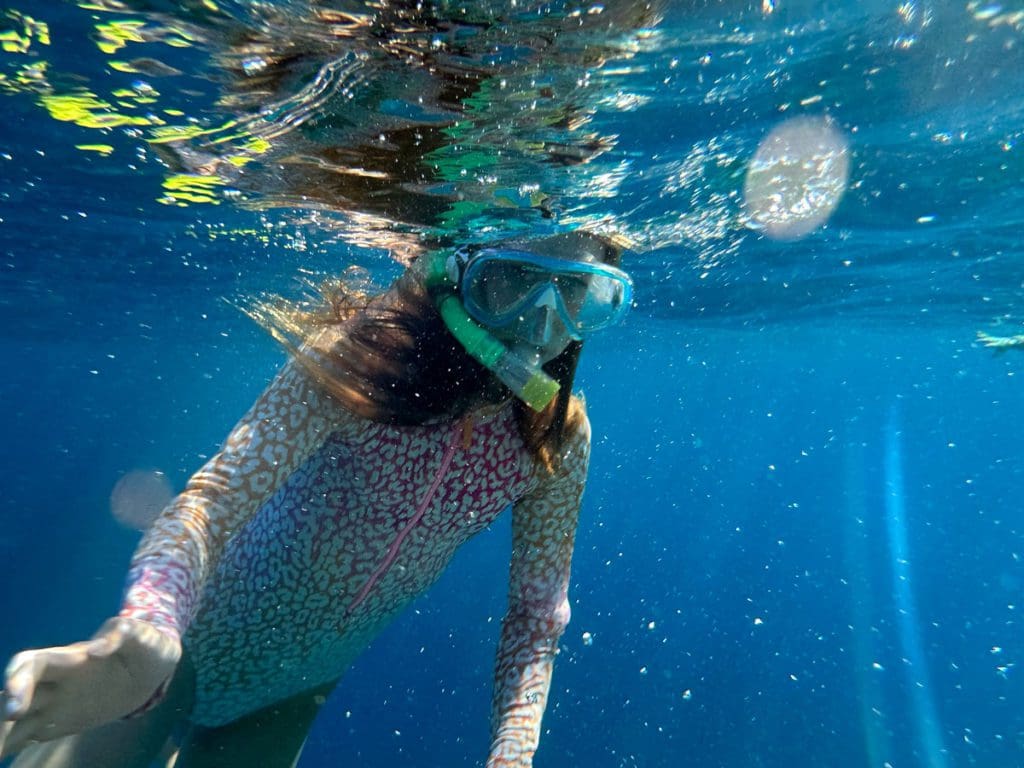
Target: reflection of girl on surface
(401,426)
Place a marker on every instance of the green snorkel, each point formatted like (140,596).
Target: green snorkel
(529,382)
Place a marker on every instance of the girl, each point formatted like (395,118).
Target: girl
(401,426)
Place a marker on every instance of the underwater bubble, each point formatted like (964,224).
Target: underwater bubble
(796,178)
(139,497)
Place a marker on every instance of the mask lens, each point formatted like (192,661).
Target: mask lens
(499,287)
(601,304)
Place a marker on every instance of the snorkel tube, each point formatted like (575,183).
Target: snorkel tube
(527,381)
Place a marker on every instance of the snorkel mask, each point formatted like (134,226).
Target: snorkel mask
(490,290)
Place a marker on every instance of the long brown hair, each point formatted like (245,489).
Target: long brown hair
(391,359)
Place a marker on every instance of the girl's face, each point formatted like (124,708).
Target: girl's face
(540,295)
(539,334)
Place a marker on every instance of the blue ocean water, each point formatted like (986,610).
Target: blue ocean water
(801,542)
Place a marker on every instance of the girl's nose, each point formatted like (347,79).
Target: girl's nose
(546,307)
(548,298)
(542,326)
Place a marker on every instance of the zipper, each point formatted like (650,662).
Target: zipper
(461,432)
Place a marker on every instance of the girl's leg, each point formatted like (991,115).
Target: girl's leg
(272,737)
(132,743)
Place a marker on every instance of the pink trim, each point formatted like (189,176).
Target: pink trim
(389,558)
(151,703)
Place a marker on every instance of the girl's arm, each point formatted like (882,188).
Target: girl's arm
(543,531)
(53,692)
(169,568)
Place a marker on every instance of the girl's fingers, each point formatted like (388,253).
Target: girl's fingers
(31,670)
(52,692)
(5,729)
(43,722)
(8,706)
(33,703)
(22,733)
(53,664)
(20,685)
(43,695)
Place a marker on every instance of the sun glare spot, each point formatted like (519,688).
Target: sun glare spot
(139,497)
(796,178)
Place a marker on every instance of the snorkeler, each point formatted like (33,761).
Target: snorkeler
(402,425)
(1001,343)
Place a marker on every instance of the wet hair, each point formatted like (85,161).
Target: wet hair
(390,358)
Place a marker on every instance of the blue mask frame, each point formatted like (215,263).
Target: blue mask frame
(589,296)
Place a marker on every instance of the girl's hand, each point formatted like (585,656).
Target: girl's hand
(54,692)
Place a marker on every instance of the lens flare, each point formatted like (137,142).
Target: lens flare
(139,497)
(796,178)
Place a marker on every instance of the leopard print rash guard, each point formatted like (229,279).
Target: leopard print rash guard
(311,529)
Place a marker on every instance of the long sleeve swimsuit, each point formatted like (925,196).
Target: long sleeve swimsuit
(311,529)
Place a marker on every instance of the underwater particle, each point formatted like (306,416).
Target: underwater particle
(796,178)
(588,639)
(985,11)
(687,694)
(139,497)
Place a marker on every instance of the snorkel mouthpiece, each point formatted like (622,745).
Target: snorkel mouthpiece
(529,382)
